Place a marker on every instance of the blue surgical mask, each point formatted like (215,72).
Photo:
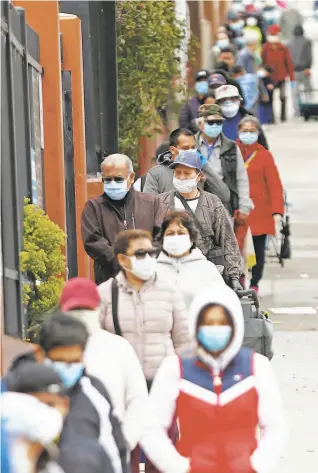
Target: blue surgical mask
(69,373)
(202,87)
(248,138)
(230,109)
(223,43)
(214,338)
(116,190)
(212,131)
(238,25)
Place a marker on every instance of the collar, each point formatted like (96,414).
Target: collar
(216,144)
(124,284)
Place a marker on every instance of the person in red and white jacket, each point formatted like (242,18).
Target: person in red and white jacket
(222,396)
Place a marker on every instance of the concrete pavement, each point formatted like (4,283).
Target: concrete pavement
(292,292)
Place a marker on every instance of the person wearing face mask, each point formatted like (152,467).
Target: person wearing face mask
(289,19)
(225,158)
(247,56)
(234,28)
(216,236)
(249,86)
(120,207)
(149,313)
(253,25)
(62,342)
(189,110)
(230,101)
(32,428)
(220,382)
(146,311)
(266,192)
(181,262)
(160,179)
(222,41)
(123,376)
(277,56)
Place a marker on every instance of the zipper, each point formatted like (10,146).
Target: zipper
(125,218)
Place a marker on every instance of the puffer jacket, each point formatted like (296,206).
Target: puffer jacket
(152,319)
(188,274)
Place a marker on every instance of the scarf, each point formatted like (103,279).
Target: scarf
(247,150)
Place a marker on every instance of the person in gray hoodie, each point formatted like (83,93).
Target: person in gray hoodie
(181,263)
(301,52)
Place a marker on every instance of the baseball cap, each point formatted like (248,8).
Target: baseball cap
(212,111)
(79,293)
(202,74)
(191,159)
(32,377)
(226,92)
(216,79)
(273,30)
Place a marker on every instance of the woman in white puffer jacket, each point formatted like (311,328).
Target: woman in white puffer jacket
(180,263)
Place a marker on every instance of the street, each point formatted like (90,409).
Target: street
(291,293)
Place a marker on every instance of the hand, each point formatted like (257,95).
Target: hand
(270,87)
(307,72)
(292,84)
(202,159)
(241,218)
(235,285)
(278,224)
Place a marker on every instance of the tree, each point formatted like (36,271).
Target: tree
(42,261)
(148,37)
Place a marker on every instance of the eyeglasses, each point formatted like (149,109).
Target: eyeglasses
(117,179)
(141,254)
(214,122)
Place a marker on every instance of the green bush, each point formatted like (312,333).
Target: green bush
(42,261)
(148,36)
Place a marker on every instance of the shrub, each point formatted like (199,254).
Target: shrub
(42,261)
(148,37)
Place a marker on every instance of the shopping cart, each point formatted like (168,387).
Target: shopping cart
(308,104)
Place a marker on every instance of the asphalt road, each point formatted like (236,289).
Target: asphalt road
(291,293)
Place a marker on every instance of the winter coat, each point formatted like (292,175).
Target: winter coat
(277,57)
(301,52)
(188,274)
(189,111)
(289,19)
(246,59)
(113,361)
(103,219)
(220,403)
(152,319)
(249,85)
(217,229)
(266,190)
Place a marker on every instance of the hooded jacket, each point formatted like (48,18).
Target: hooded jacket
(188,274)
(159,178)
(301,50)
(206,394)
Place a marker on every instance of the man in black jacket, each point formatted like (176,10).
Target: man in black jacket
(62,340)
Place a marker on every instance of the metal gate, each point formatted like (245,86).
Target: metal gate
(21,150)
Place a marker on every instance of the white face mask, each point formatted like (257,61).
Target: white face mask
(90,318)
(273,38)
(177,245)
(230,109)
(185,186)
(251,21)
(143,268)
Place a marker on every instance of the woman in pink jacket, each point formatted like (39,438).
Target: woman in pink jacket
(149,313)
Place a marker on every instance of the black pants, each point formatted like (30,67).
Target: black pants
(257,270)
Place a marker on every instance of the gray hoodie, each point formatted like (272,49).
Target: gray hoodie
(300,50)
(190,273)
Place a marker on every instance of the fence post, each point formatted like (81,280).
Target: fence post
(9,273)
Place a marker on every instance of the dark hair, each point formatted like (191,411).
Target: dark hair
(223,67)
(62,330)
(237,69)
(210,306)
(124,238)
(31,377)
(211,93)
(228,49)
(174,136)
(181,217)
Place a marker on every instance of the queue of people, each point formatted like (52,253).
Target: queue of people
(147,364)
